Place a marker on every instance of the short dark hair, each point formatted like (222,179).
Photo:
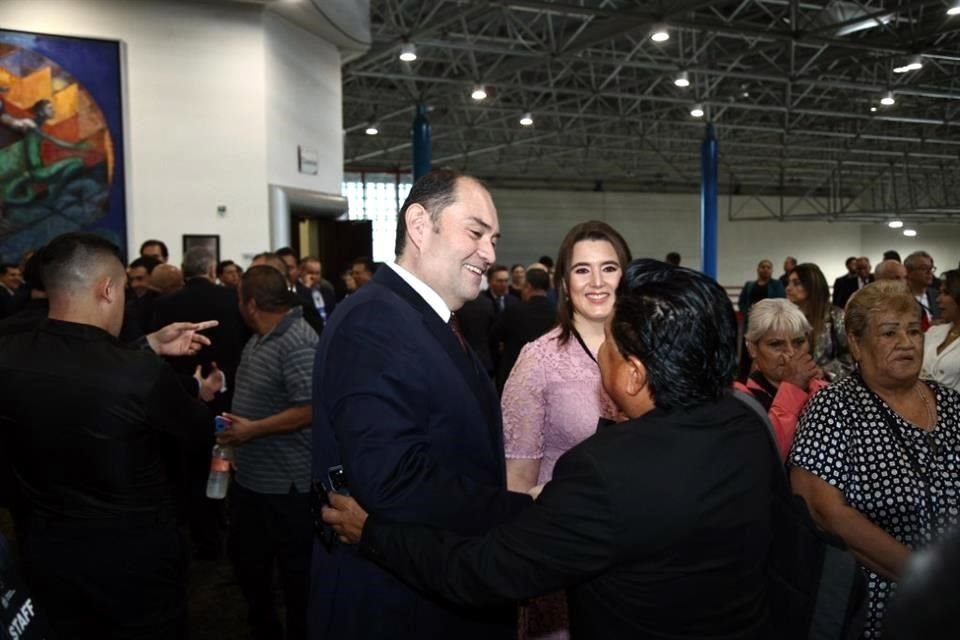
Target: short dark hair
(847,262)
(7,266)
(67,261)
(592,230)
(497,268)
(147,262)
(197,262)
(434,192)
(272,260)
(159,243)
(546,261)
(685,367)
(268,288)
(224,264)
(517,265)
(287,251)
(367,263)
(538,279)
(892,255)
(673,258)
(32,271)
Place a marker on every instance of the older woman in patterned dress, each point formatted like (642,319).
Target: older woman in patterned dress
(877,454)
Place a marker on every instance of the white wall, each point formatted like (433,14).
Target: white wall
(212,110)
(534,222)
(303,105)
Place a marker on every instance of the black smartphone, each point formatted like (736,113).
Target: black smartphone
(338,480)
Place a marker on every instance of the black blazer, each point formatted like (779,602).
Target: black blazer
(476,318)
(200,300)
(518,325)
(844,287)
(659,527)
(416,424)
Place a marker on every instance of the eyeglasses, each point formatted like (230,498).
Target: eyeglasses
(931,269)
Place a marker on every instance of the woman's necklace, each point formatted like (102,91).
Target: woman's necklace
(931,415)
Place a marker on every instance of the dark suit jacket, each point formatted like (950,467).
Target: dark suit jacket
(310,312)
(416,425)
(518,325)
(200,300)
(844,287)
(646,550)
(476,319)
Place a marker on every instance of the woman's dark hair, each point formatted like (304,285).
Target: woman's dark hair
(951,284)
(817,304)
(592,230)
(680,324)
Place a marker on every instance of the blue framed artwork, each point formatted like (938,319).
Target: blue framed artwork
(61,140)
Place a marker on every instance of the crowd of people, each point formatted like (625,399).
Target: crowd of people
(447,447)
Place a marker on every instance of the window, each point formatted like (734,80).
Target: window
(377,197)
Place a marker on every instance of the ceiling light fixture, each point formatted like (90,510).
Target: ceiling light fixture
(697,111)
(372,129)
(526,120)
(660,34)
(873,109)
(479,93)
(954,10)
(895,224)
(408,52)
(913,63)
(910,233)
(888,100)
(682,80)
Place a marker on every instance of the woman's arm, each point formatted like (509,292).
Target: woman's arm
(872,546)
(524,419)
(522,474)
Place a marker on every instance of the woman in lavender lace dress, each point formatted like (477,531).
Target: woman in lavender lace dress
(553,397)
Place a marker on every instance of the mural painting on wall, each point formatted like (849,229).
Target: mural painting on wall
(61,140)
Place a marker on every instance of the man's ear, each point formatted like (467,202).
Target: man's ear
(636,374)
(109,287)
(418,224)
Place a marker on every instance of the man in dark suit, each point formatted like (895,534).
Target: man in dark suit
(403,404)
(841,282)
(11,279)
(920,271)
(202,299)
(312,288)
(477,318)
(524,322)
(848,285)
(498,288)
(789,264)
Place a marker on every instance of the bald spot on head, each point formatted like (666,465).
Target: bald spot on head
(891,270)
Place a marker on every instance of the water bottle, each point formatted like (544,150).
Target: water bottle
(219,479)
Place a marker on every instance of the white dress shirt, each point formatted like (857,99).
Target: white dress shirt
(431,297)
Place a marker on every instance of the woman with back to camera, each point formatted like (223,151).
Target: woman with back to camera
(783,377)
(941,351)
(877,454)
(553,397)
(808,289)
(658,526)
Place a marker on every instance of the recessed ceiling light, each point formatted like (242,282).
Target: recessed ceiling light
(895,224)
(526,120)
(408,52)
(888,100)
(660,34)
(372,129)
(873,109)
(910,233)
(479,93)
(954,10)
(697,111)
(682,80)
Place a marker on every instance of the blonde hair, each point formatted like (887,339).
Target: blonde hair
(877,297)
(778,316)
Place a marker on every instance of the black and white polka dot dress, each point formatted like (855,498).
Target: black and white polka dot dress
(844,439)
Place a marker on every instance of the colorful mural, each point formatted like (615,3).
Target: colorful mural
(61,150)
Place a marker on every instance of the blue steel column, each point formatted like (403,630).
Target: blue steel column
(708,203)
(421,143)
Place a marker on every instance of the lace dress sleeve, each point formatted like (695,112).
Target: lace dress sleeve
(523,405)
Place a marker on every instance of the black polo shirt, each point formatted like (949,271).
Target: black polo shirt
(93,429)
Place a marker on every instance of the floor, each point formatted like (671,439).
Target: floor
(217,610)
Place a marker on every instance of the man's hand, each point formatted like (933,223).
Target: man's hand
(180,338)
(800,370)
(210,386)
(346,517)
(240,430)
